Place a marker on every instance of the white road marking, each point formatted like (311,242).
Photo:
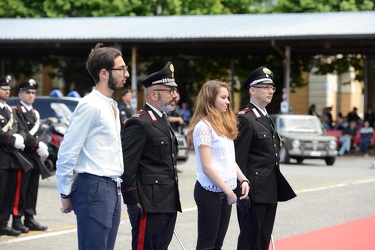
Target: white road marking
(189,209)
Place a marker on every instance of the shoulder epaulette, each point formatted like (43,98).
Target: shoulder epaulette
(244,111)
(142,112)
(138,113)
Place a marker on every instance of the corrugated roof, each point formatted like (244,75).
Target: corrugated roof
(243,27)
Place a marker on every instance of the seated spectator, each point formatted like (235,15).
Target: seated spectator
(353,116)
(370,116)
(327,118)
(366,137)
(340,123)
(312,110)
(346,137)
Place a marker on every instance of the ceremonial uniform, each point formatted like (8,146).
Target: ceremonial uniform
(150,174)
(257,154)
(11,141)
(36,142)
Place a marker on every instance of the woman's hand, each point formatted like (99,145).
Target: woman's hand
(232,198)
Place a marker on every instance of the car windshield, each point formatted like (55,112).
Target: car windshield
(62,110)
(300,124)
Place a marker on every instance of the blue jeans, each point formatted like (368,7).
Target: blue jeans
(363,144)
(346,143)
(97,206)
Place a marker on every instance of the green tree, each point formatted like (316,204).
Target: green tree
(197,69)
(302,6)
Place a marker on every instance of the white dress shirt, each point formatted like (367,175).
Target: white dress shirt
(92,143)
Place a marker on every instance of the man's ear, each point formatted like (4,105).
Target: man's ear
(154,95)
(103,74)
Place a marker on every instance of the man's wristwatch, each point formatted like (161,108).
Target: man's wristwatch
(64,196)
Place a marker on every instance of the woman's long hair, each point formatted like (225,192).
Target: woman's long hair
(224,124)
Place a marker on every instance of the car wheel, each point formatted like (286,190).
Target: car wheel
(299,160)
(284,155)
(330,161)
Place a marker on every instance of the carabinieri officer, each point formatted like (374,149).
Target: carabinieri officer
(150,183)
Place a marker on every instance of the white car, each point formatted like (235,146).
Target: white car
(303,137)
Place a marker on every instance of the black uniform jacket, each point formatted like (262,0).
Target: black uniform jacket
(257,154)
(28,120)
(150,174)
(8,159)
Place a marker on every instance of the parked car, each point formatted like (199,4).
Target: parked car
(49,107)
(303,137)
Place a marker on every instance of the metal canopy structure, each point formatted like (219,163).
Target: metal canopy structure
(304,33)
(215,35)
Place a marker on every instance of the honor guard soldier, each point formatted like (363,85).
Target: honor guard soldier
(11,142)
(257,154)
(36,152)
(150,183)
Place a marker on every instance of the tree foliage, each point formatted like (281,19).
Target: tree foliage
(302,6)
(97,8)
(197,69)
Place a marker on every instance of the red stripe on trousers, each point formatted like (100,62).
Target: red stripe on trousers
(17,196)
(142,232)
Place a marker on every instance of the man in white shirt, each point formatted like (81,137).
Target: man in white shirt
(92,150)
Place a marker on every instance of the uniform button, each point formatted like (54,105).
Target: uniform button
(256,172)
(162,142)
(276,154)
(264,135)
(156,181)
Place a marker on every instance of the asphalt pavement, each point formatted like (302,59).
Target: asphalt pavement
(327,195)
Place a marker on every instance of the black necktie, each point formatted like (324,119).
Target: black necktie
(270,121)
(164,116)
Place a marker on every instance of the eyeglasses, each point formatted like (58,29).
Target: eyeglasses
(266,87)
(123,68)
(171,91)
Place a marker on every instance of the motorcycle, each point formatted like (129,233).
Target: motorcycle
(55,129)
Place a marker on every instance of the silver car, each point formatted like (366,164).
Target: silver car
(303,137)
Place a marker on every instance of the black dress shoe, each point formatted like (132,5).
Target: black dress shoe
(5,230)
(17,225)
(34,226)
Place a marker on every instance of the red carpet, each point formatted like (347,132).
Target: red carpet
(353,235)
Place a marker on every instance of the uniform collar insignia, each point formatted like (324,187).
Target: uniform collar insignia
(255,111)
(153,118)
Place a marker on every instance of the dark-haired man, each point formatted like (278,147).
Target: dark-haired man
(92,149)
